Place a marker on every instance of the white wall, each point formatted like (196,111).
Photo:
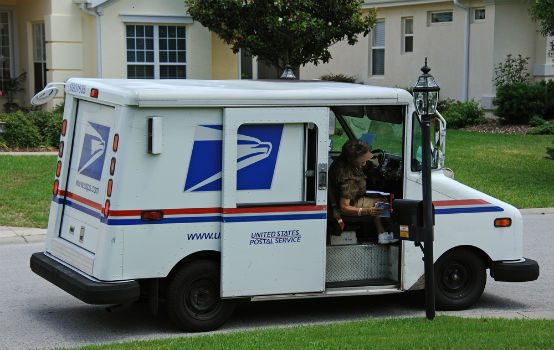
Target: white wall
(507,28)
(113,36)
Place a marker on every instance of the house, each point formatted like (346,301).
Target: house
(52,40)
(463,41)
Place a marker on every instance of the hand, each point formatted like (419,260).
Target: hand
(375,211)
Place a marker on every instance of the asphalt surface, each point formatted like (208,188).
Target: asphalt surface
(35,314)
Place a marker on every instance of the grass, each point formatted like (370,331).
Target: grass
(513,168)
(408,333)
(26,190)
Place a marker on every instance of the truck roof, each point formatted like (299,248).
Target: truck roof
(202,93)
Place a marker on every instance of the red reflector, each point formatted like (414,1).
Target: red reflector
(152,215)
(110,185)
(60,152)
(115,142)
(56,187)
(94,93)
(503,222)
(64,127)
(112,167)
(106,210)
(59,168)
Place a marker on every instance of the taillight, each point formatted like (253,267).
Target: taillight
(56,187)
(64,127)
(112,167)
(106,210)
(115,142)
(110,185)
(94,93)
(58,168)
(60,152)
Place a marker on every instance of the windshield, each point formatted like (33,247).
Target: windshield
(381,128)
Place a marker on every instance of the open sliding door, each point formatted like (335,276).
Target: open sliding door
(274,200)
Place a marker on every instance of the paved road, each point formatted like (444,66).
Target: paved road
(36,314)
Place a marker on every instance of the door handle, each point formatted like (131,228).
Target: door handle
(322,176)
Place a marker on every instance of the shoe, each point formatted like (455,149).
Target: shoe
(386,238)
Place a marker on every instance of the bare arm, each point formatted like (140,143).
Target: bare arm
(347,209)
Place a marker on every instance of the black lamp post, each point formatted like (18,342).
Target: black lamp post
(426,97)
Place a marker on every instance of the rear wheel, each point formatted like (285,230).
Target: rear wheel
(460,278)
(193,298)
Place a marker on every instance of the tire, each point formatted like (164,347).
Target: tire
(193,298)
(460,278)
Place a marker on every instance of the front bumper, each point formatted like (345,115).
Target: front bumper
(87,290)
(519,271)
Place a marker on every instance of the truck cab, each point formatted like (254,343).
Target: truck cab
(202,193)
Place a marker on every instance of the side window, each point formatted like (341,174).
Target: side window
(416,157)
(416,143)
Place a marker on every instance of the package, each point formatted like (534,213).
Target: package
(345,238)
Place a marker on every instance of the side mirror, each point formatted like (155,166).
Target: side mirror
(46,94)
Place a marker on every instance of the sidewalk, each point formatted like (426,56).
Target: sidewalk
(10,235)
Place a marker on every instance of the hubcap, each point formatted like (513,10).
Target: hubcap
(202,297)
(455,278)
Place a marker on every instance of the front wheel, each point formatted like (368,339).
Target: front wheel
(193,299)
(460,278)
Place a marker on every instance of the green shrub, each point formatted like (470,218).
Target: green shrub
(31,130)
(517,103)
(444,105)
(49,124)
(20,131)
(342,78)
(544,129)
(548,99)
(462,114)
(536,121)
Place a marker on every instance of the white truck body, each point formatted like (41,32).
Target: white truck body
(235,171)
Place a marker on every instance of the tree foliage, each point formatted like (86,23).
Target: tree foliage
(284,32)
(542,12)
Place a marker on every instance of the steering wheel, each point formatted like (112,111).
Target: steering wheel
(380,154)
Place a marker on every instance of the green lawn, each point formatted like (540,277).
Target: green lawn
(411,333)
(513,168)
(26,190)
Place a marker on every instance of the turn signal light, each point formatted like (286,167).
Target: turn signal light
(64,127)
(60,152)
(152,215)
(503,222)
(59,168)
(106,210)
(56,187)
(115,142)
(110,185)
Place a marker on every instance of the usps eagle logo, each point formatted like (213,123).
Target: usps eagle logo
(257,149)
(93,150)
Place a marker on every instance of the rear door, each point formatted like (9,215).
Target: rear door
(274,205)
(85,185)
